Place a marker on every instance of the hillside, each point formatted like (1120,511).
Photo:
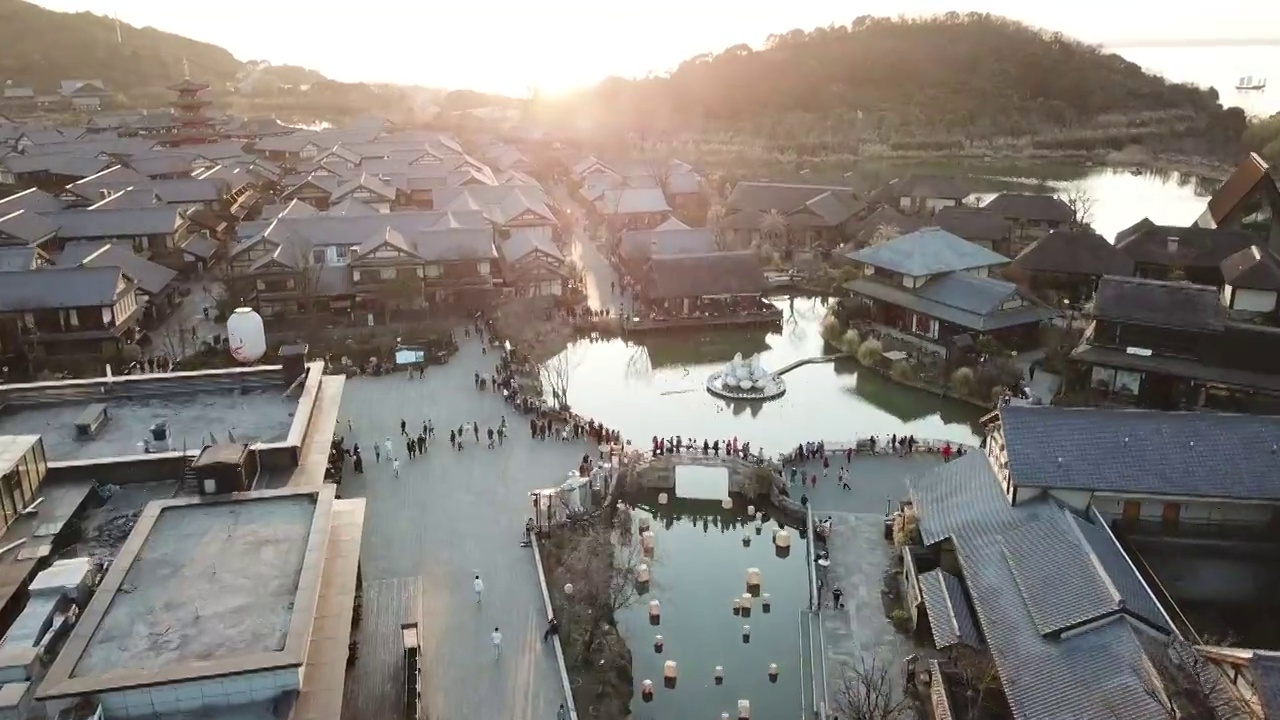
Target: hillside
(947,77)
(39,48)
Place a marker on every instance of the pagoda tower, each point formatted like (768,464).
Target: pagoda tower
(189,109)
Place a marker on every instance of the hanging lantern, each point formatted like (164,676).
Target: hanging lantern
(246,336)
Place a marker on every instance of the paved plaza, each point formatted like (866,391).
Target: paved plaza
(876,482)
(448,517)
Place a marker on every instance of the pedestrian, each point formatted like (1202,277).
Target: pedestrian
(422,444)
(553,628)
(357,463)
(946,453)
(562,713)
(836,594)
(813,480)
(410,447)
(475,429)
(496,639)
(386,445)
(395,467)
(453,439)
(477,380)
(490,438)
(422,371)
(826,465)
(349,430)
(377,454)
(478,586)
(431,430)
(425,431)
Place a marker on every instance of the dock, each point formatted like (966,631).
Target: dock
(807,361)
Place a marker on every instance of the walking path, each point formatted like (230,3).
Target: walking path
(449,516)
(806,361)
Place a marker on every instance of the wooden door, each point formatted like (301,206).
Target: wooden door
(1131,512)
(1169,516)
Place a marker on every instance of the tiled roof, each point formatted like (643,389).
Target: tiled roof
(1251,172)
(1144,451)
(1181,247)
(16,258)
(1074,252)
(639,245)
(968,292)
(721,273)
(1177,305)
(525,240)
(628,201)
(1023,206)
(1255,268)
(1265,667)
(33,200)
(930,251)
(104,223)
(949,615)
(782,197)
(47,289)
(926,186)
(972,224)
(955,314)
(26,226)
(151,277)
(1098,673)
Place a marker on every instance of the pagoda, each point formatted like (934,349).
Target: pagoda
(189,110)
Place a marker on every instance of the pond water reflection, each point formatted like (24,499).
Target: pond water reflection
(656,387)
(699,566)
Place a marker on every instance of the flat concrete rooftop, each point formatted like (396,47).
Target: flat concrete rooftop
(257,416)
(203,587)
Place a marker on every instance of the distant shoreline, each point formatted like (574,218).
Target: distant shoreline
(1189,43)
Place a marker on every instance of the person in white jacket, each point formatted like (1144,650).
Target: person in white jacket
(479,588)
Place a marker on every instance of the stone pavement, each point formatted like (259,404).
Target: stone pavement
(859,558)
(876,482)
(448,517)
(174,334)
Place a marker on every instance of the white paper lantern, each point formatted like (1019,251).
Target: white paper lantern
(745,600)
(568,588)
(719,672)
(751,509)
(662,498)
(655,608)
(773,671)
(669,670)
(782,539)
(727,503)
(744,710)
(745,384)
(644,520)
(246,336)
(646,539)
(642,573)
(753,577)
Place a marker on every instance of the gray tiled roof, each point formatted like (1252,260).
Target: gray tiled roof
(56,289)
(1256,268)
(1025,206)
(639,245)
(26,226)
(1144,451)
(1048,556)
(929,251)
(1113,563)
(17,258)
(105,223)
(151,277)
(978,295)
(525,240)
(1098,673)
(1179,305)
(949,615)
(33,200)
(1027,314)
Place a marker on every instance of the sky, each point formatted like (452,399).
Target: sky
(513,46)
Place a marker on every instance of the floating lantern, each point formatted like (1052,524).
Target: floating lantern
(647,539)
(773,672)
(760,517)
(744,710)
(657,643)
(745,600)
(746,537)
(669,674)
(759,527)
(646,690)
(727,503)
(753,577)
(746,633)
(782,538)
(766,602)
(246,336)
(662,498)
(644,523)
(724,716)
(655,611)
(568,588)
(642,573)
(719,674)
(737,606)
(751,510)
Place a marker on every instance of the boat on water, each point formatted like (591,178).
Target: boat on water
(1249,82)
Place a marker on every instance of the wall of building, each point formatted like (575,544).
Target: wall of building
(220,692)
(1250,300)
(1190,511)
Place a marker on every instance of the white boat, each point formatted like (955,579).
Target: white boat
(1249,82)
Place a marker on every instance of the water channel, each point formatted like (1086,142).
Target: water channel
(699,567)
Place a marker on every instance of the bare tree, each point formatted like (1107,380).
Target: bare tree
(556,374)
(977,682)
(174,339)
(601,566)
(867,692)
(1187,686)
(1081,201)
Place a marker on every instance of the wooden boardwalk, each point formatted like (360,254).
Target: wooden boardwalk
(449,516)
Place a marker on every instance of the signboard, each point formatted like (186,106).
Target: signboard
(410,356)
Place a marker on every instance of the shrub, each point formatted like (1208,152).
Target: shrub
(901,620)
(964,381)
(849,342)
(831,328)
(869,352)
(902,372)
(906,529)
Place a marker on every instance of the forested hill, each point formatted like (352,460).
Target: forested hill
(39,48)
(977,74)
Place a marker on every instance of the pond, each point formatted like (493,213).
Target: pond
(699,567)
(655,386)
